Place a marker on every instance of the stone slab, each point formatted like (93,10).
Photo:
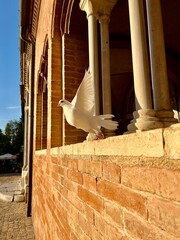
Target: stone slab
(142,143)
(6,197)
(172,141)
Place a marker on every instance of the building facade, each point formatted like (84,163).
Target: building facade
(127,185)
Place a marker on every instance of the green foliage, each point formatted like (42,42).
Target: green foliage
(12,140)
(4,143)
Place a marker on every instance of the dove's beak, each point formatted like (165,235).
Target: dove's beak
(60,103)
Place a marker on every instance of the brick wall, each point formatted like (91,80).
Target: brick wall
(44,34)
(80,193)
(49,30)
(76,61)
(125,187)
(38,120)
(55,114)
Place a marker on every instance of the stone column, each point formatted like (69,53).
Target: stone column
(105,64)
(90,8)
(104,10)
(26,134)
(144,116)
(158,63)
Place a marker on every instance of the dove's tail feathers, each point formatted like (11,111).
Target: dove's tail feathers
(106,116)
(107,123)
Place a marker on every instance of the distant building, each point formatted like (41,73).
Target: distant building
(125,186)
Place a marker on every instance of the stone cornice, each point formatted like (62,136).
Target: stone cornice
(35,17)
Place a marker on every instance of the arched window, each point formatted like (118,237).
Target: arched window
(42,94)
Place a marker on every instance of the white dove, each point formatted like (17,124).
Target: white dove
(80,112)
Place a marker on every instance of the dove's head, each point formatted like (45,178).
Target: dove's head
(62,102)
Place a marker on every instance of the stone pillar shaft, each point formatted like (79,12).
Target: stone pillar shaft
(105,65)
(139,55)
(144,116)
(160,84)
(157,54)
(93,57)
(88,7)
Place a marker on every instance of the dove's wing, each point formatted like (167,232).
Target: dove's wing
(84,99)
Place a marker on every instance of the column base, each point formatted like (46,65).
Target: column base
(166,117)
(144,119)
(23,184)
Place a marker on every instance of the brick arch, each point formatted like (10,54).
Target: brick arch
(72,18)
(46,45)
(66,16)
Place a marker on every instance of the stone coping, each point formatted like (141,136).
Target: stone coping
(153,143)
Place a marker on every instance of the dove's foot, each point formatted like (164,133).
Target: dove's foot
(100,136)
(93,136)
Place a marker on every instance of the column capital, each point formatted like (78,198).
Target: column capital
(98,8)
(89,6)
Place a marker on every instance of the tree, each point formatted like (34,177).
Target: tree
(14,134)
(4,143)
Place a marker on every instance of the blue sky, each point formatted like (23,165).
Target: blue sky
(10,107)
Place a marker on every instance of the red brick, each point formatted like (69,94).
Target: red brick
(65,203)
(59,220)
(55,176)
(73,164)
(113,233)
(54,159)
(75,176)
(111,172)
(48,169)
(126,198)
(89,182)
(100,223)
(70,185)
(55,194)
(65,162)
(165,215)
(82,165)
(74,214)
(58,169)
(163,182)
(92,199)
(96,235)
(63,221)
(89,213)
(62,211)
(75,201)
(85,225)
(62,189)
(61,233)
(94,168)
(140,229)
(73,236)
(114,213)
(80,233)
